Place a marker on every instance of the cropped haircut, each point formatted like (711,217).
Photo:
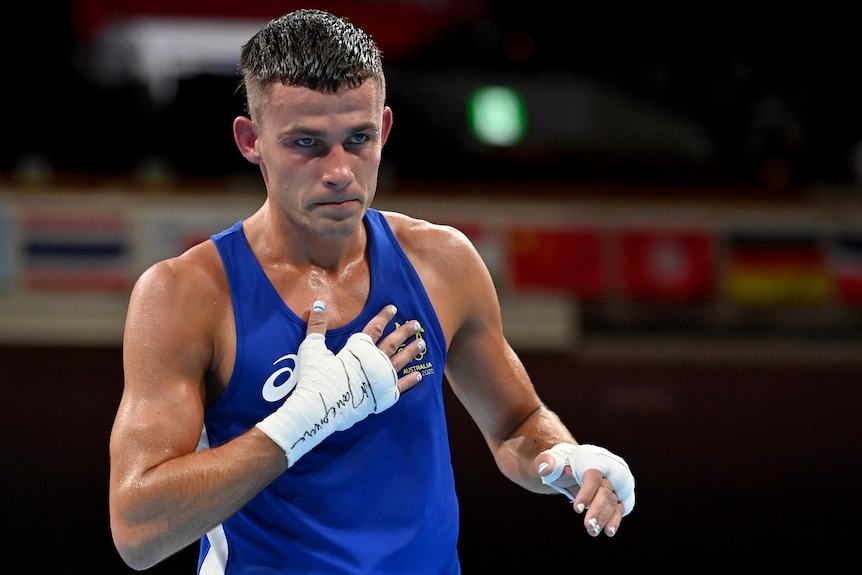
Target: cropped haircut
(309,48)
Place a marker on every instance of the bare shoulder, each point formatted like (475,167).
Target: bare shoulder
(182,299)
(429,241)
(451,269)
(194,275)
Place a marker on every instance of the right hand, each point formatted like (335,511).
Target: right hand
(335,391)
(318,320)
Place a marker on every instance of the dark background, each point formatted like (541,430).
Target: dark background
(773,94)
(740,464)
(745,466)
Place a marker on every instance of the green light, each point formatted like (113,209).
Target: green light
(497,115)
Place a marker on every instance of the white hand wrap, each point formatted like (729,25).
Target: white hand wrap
(583,457)
(333,392)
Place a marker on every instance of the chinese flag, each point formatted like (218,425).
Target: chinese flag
(563,260)
(667,265)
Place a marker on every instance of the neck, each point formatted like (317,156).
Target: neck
(278,242)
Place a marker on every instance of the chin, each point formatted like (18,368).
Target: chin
(336,229)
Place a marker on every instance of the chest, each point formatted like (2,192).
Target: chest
(345,291)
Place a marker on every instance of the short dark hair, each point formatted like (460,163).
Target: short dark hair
(309,48)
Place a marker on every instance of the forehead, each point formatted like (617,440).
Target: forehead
(295,102)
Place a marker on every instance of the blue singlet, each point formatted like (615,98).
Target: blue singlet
(378,498)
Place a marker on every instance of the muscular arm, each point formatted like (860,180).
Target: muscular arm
(485,373)
(164,495)
(489,379)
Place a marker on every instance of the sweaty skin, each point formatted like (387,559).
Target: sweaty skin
(319,155)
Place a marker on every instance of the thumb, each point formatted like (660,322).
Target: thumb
(554,467)
(544,463)
(317,318)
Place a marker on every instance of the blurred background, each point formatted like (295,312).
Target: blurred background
(667,199)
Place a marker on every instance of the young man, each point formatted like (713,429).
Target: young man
(237,427)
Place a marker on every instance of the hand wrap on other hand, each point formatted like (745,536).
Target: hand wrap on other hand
(333,393)
(583,457)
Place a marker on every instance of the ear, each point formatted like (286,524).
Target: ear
(386,125)
(245,135)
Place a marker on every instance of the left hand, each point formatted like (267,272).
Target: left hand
(594,479)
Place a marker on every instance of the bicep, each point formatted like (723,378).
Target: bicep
(165,355)
(485,373)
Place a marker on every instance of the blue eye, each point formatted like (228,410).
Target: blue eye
(305,142)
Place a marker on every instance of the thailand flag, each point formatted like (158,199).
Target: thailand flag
(72,250)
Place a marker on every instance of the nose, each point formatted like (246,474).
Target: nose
(338,167)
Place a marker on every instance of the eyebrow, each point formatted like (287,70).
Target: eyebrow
(362,127)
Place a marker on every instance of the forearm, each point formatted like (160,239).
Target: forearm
(516,453)
(174,504)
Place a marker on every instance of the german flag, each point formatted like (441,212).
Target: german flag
(777,269)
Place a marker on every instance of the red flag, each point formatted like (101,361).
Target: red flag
(667,265)
(563,260)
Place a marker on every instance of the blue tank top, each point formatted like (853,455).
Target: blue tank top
(377,498)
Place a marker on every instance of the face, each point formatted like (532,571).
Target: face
(319,154)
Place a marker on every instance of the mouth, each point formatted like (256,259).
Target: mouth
(338,203)
(339,209)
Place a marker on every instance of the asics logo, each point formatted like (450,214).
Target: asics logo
(282,381)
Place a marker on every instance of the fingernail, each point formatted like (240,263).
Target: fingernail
(612,531)
(318,306)
(416,326)
(580,508)
(542,467)
(393,309)
(595,526)
(418,376)
(422,345)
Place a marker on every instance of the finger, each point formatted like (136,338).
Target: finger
(587,493)
(559,479)
(605,510)
(375,327)
(607,522)
(613,525)
(544,463)
(318,318)
(409,381)
(412,351)
(395,344)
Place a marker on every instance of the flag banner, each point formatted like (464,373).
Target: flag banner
(777,270)
(846,261)
(665,266)
(564,260)
(71,250)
